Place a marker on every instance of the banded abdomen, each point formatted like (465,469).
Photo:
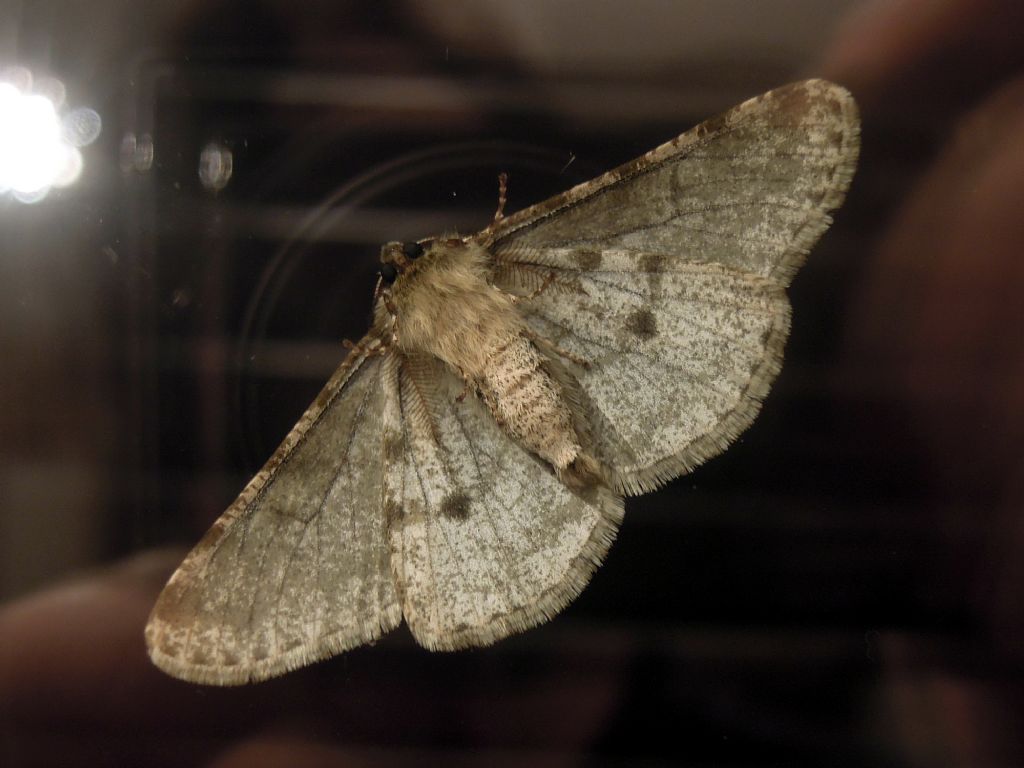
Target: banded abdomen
(530,405)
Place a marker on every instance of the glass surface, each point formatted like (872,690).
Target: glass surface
(844,586)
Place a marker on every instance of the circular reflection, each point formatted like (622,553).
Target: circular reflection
(127,153)
(80,127)
(143,159)
(31,197)
(18,77)
(69,168)
(136,152)
(216,164)
(50,88)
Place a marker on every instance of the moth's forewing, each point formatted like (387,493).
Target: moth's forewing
(750,189)
(669,273)
(297,568)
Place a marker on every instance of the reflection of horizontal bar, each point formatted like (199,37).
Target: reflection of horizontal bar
(315,360)
(582,101)
(373,226)
(312,360)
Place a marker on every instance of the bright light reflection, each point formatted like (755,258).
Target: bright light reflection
(215,166)
(38,147)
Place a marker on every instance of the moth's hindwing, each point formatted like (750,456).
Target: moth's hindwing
(679,358)
(485,541)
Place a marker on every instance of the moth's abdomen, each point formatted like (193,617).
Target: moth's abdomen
(527,402)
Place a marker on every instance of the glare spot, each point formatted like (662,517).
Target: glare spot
(30,197)
(128,145)
(19,77)
(39,146)
(136,152)
(69,168)
(216,164)
(81,127)
(50,88)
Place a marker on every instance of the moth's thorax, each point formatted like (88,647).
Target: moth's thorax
(447,307)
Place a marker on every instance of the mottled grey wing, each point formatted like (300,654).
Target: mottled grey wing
(298,568)
(667,274)
(750,189)
(679,355)
(485,540)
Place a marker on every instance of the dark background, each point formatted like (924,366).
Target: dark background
(845,586)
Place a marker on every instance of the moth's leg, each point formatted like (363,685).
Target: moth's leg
(380,293)
(394,316)
(361,349)
(545,343)
(548,279)
(466,385)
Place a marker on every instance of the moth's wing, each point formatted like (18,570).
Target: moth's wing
(668,273)
(680,355)
(750,189)
(485,540)
(297,569)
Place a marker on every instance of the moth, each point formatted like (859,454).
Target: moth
(464,468)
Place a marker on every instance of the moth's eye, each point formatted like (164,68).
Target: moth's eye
(412,250)
(388,273)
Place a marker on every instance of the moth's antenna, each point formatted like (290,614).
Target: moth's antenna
(500,213)
(502,197)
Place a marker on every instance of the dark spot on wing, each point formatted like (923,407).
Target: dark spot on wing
(394,447)
(793,100)
(455,506)
(393,513)
(587,258)
(643,324)
(652,262)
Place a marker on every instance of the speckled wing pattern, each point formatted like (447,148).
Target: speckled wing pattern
(485,541)
(298,568)
(657,294)
(669,273)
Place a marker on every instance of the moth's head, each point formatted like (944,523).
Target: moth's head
(396,258)
(404,258)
